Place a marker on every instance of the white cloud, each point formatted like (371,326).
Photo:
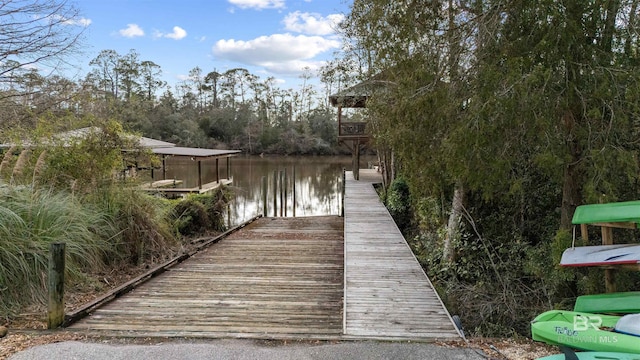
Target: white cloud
(294,67)
(132,30)
(84,22)
(279,53)
(177,34)
(312,23)
(258,4)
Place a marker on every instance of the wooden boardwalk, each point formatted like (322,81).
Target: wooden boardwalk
(387,294)
(276,278)
(291,278)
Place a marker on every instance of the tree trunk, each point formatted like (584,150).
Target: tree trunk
(453,227)
(571,193)
(573,174)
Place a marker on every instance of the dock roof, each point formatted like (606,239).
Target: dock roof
(194,152)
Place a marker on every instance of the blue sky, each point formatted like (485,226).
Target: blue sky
(268,37)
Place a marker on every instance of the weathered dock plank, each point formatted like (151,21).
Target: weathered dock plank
(277,278)
(387,294)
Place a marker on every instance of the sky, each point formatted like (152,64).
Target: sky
(277,38)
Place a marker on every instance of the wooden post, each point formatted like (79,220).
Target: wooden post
(264,196)
(339,120)
(356,159)
(609,274)
(584,234)
(164,168)
(293,189)
(217,171)
(56,285)
(275,193)
(199,174)
(344,185)
(281,193)
(229,171)
(284,190)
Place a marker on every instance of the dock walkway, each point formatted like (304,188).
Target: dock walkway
(387,294)
(277,278)
(324,277)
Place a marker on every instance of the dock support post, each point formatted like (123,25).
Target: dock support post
(275,193)
(293,189)
(284,186)
(199,174)
(281,193)
(55,316)
(356,165)
(217,171)
(264,196)
(344,185)
(164,169)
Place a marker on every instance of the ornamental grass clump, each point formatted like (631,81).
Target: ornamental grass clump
(144,234)
(31,221)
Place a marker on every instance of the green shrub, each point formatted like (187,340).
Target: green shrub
(398,203)
(143,230)
(200,214)
(190,217)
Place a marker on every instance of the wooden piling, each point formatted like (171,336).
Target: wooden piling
(264,196)
(281,192)
(284,190)
(55,316)
(275,193)
(344,182)
(293,189)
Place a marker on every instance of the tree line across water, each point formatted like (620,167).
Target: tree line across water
(230,109)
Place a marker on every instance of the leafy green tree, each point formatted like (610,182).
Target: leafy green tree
(151,82)
(128,68)
(519,109)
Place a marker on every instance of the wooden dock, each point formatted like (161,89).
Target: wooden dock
(277,278)
(167,186)
(387,294)
(326,277)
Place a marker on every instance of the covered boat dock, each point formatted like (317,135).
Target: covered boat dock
(196,155)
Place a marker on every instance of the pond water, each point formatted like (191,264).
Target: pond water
(318,183)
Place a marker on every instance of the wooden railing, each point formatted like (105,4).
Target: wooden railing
(352,129)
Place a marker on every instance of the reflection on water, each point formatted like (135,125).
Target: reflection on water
(317,183)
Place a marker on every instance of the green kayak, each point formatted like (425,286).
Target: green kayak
(583,331)
(593,355)
(611,303)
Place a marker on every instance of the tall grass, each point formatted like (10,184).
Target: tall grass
(33,219)
(145,235)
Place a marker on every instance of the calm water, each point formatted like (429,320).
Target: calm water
(317,183)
